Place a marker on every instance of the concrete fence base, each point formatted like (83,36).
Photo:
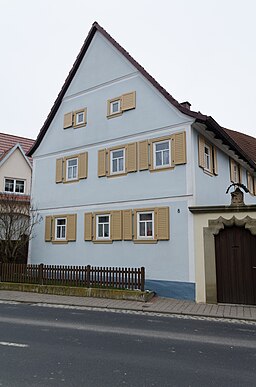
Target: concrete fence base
(116,294)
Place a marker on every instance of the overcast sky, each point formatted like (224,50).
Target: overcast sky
(203,51)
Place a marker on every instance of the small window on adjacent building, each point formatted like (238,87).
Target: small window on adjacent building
(103,226)
(235,173)
(117,158)
(14,186)
(162,154)
(72,169)
(207,158)
(145,225)
(60,228)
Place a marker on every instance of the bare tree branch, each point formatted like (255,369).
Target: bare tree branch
(17,222)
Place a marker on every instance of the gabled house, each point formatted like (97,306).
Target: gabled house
(119,167)
(15,166)
(15,187)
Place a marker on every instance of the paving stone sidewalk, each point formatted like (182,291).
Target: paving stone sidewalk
(156,305)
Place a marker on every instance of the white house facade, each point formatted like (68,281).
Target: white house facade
(117,167)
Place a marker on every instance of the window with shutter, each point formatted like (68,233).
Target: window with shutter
(207,156)
(80,118)
(235,172)
(116,106)
(72,168)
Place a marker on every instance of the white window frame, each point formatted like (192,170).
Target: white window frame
(155,151)
(145,221)
(76,118)
(64,226)
(207,157)
(111,104)
(72,166)
(118,158)
(14,186)
(97,227)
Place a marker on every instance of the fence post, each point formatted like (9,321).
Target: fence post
(88,272)
(142,279)
(40,274)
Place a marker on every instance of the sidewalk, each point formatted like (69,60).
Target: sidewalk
(156,305)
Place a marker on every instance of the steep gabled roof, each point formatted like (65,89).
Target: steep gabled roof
(211,124)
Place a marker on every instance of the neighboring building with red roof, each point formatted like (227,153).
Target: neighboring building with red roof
(15,166)
(125,175)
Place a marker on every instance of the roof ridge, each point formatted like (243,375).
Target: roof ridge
(208,121)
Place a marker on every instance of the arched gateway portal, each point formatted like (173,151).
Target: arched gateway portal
(230,260)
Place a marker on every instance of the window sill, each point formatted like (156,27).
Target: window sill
(80,125)
(109,241)
(170,167)
(55,242)
(114,115)
(71,181)
(147,241)
(117,174)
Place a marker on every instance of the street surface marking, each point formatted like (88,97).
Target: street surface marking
(13,344)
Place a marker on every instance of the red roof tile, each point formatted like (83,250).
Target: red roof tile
(8,141)
(245,142)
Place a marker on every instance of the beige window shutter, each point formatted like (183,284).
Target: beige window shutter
(127,225)
(48,229)
(143,155)
(116,225)
(162,228)
(250,183)
(59,170)
(108,107)
(102,162)
(131,157)
(88,226)
(71,227)
(128,101)
(179,156)
(68,120)
(240,173)
(82,165)
(201,144)
(215,161)
(231,165)
(135,236)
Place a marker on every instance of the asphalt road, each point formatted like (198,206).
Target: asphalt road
(54,346)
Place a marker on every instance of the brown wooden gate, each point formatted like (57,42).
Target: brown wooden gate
(236,266)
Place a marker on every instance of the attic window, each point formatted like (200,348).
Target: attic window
(75,119)
(118,105)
